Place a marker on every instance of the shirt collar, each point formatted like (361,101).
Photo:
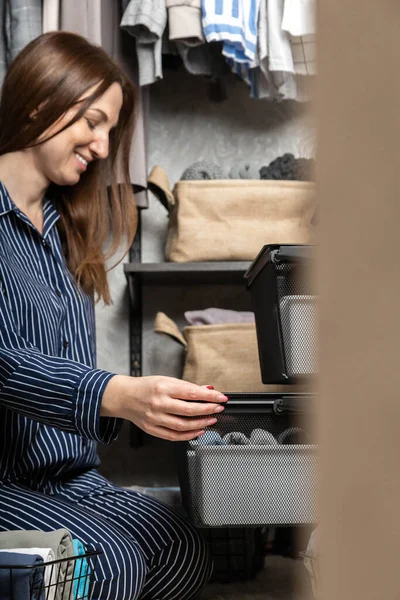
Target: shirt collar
(6,204)
(50,214)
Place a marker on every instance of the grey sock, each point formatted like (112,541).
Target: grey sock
(260,437)
(203,169)
(236,438)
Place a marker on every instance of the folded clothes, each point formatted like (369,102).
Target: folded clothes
(50,572)
(82,572)
(203,169)
(262,437)
(236,438)
(293,435)
(59,540)
(209,438)
(244,171)
(287,167)
(218,316)
(25,580)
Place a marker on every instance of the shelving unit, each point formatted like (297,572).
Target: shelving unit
(139,274)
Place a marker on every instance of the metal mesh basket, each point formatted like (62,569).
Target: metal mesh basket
(285,309)
(63,579)
(256,483)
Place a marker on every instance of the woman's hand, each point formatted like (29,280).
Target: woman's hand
(160,405)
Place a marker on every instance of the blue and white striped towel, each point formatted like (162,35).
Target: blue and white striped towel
(235,23)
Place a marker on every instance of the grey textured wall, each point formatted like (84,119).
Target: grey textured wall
(185,127)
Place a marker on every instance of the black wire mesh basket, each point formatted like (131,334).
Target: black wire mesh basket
(285,307)
(258,465)
(61,579)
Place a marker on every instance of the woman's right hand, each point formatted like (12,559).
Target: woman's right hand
(161,405)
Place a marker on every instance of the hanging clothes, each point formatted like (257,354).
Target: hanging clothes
(186,38)
(184,21)
(235,24)
(51,15)
(146,22)
(20,23)
(83,18)
(98,21)
(299,22)
(299,17)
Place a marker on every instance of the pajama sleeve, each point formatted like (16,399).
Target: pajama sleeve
(55,391)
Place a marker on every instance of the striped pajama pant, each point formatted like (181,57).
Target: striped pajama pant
(149,551)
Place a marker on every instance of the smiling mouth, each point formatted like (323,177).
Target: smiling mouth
(81,159)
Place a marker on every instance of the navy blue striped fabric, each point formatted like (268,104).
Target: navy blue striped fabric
(50,390)
(50,396)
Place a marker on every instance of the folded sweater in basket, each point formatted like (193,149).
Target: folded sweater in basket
(218,316)
(18,582)
(50,575)
(59,540)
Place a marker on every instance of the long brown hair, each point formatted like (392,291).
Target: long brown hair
(98,214)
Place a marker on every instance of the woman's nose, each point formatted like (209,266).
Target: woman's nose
(99,147)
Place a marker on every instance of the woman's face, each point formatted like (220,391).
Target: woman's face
(64,158)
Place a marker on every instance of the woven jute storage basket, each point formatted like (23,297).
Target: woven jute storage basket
(232,219)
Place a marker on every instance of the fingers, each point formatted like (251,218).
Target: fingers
(191,391)
(191,409)
(174,436)
(180,424)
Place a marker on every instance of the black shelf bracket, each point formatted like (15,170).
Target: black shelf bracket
(135,323)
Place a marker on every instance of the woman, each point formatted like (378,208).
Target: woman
(66,118)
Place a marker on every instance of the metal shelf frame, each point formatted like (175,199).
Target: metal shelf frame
(166,273)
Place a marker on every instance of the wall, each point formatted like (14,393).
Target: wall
(185,127)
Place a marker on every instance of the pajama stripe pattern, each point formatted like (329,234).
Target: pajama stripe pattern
(50,397)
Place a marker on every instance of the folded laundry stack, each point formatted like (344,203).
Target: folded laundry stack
(27,570)
(258,437)
(282,168)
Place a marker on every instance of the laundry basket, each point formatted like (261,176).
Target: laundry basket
(285,306)
(61,579)
(258,483)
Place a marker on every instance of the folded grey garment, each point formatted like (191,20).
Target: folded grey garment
(244,171)
(218,316)
(262,437)
(59,540)
(293,435)
(203,169)
(209,438)
(236,438)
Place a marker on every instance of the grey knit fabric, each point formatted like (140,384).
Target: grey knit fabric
(293,435)
(236,438)
(244,171)
(260,437)
(203,169)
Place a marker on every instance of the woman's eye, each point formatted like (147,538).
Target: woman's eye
(91,125)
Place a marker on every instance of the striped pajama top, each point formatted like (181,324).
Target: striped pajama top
(50,390)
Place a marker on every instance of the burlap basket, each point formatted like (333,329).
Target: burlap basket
(232,219)
(225,356)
